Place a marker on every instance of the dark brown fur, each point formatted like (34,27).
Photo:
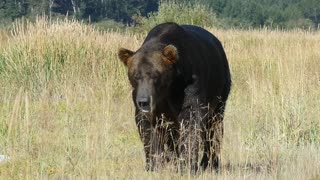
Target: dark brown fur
(181,81)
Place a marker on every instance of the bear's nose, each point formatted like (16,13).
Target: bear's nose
(144,104)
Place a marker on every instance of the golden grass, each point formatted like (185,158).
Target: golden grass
(66,107)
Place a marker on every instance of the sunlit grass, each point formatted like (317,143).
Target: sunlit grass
(66,110)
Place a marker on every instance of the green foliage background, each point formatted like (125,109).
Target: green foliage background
(231,13)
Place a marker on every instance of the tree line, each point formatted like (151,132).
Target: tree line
(95,10)
(283,13)
(233,13)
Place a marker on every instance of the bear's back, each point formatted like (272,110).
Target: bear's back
(200,54)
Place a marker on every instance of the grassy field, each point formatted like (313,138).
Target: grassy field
(66,110)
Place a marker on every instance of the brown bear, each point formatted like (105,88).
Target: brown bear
(181,81)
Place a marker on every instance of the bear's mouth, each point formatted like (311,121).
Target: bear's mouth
(145,110)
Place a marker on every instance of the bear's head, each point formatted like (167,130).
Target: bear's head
(150,72)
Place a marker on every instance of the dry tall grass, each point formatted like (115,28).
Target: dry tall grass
(66,110)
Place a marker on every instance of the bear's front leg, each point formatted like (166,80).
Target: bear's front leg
(190,131)
(189,143)
(157,147)
(153,138)
(145,132)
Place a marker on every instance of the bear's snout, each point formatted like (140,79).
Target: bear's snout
(144,104)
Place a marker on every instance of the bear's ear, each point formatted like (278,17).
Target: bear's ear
(170,54)
(124,55)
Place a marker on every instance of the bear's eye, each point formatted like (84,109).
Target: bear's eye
(155,75)
(137,77)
